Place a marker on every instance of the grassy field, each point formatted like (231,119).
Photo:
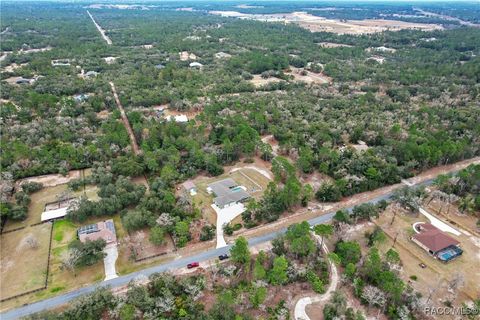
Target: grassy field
(24,266)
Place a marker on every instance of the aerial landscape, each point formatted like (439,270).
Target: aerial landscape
(239,160)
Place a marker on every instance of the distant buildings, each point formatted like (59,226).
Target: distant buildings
(222,55)
(227,192)
(437,243)
(91,74)
(81,97)
(177,118)
(102,230)
(196,65)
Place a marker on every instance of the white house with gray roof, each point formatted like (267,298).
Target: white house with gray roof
(227,192)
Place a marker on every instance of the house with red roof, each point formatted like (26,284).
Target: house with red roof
(436,242)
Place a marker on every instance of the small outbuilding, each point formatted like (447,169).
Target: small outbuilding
(190,187)
(196,65)
(56,210)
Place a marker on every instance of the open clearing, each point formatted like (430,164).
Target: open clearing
(24,262)
(318,24)
(306,76)
(258,81)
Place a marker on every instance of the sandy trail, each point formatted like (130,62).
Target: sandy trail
(135,148)
(102,32)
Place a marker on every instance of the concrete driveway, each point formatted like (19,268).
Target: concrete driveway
(109,261)
(226,215)
(439,223)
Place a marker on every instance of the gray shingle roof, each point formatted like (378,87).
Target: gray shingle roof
(224,193)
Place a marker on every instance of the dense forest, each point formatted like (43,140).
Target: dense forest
(416,109)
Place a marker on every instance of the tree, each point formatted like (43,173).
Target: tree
(342,216)
(259,272)
(89,252)
(208,233)
(182,233)
(257,296)
(315,281)
(278,274)
(374,296)
(31,241)
(157,235)
(239,252)
(348,251)
(70,259)
(328,192)
(392,257)
(324,231)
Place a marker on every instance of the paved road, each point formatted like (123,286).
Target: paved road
(172,265)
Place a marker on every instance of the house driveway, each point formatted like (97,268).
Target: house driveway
(109,261)
(439,223)
(226,215)
(300,306)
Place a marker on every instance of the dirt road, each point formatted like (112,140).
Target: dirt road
(102,32)
(135,148)
(445,17)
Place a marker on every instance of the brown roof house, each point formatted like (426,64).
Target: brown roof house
(436,242)
(102,230)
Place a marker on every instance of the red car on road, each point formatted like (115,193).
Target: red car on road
(192,265)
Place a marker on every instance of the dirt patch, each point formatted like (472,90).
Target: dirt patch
(306,76)
(52,180)
(14,66)
(258,81)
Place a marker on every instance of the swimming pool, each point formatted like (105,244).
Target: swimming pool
(449,254)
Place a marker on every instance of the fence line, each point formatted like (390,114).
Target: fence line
(46,277)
